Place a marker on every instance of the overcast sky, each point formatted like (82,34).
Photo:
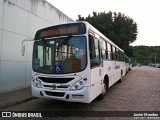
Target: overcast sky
(146,13)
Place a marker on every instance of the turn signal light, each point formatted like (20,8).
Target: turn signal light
(85,79)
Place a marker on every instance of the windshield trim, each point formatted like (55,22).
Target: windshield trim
(50,38)
(56,38)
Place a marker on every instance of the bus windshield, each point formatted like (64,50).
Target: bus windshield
(60,55)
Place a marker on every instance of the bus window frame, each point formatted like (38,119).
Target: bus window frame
(99,50)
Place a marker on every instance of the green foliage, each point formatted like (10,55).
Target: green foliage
(129,51)
(146,54)
(121,29)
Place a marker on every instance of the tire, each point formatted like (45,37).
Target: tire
(120,80)
(104,89)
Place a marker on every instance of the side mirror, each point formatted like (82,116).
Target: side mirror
(23,46)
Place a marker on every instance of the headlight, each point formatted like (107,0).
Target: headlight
(79,85)
(36,82)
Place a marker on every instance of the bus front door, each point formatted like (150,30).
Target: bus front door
(95,64)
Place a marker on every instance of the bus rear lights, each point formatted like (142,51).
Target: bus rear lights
(85,79)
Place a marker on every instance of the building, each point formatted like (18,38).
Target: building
(20,19)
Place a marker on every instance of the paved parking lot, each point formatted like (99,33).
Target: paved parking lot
(139,91)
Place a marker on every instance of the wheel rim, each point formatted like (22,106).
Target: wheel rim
(104,89)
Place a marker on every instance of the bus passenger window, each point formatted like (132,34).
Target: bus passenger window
(94,51)
(91,47)
(117,55)
(104,50)
(113,53)
(109,50)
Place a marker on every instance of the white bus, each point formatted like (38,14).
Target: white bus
(75,62)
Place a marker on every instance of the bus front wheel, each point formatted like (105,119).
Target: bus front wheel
(104,88)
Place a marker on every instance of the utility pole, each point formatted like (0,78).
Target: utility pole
(155,58)
(149,60)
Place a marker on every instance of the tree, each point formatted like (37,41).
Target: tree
(129,51)
(146,54)
(121,29)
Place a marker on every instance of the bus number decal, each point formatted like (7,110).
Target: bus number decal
(76,96)
(117,67)
(109,68)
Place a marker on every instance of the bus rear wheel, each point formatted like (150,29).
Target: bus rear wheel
(120,80)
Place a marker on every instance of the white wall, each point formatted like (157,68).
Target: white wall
(20,19)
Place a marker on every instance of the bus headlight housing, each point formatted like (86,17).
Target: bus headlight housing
(79,85)
(36,82)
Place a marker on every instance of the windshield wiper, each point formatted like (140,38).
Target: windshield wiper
(66,40)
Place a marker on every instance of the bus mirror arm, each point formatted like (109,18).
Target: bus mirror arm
(23,50)
(23,45)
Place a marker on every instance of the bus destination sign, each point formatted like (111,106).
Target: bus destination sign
(59,31)
(67,29)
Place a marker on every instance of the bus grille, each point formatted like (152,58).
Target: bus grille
(56,80)
(51,86)
(57,94)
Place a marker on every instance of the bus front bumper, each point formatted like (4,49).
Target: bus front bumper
(71,95)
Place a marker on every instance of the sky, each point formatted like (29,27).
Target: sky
(146,13)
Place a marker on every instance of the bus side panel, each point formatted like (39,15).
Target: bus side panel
(109,69)
(123,68)
(118,69)
(113,70)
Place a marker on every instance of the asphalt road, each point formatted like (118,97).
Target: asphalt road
(139,91)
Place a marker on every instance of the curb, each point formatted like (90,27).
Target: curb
(17,103)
